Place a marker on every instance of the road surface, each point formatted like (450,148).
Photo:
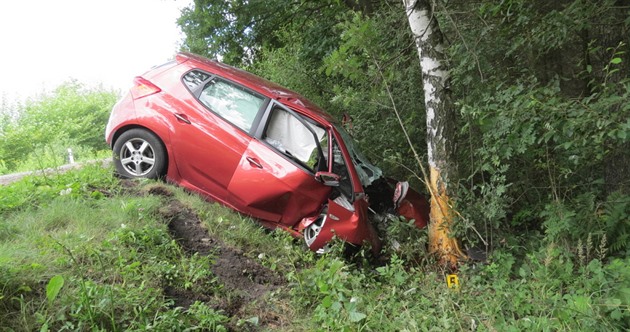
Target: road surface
(10,178)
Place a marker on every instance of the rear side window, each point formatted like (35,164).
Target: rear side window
(233,103)
(230,101)
(194,79)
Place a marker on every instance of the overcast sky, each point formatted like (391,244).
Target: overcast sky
(46,42)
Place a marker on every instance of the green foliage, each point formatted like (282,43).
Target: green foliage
(544,291)
(402,239)
(59,269)
(614,221)
(543,116)
(84,257)
(91,182)
(540,89)
(540,154)
(53,287)
(373,80)
(327,288)
(305,76)
(70,117)
(55,154)
(238,30)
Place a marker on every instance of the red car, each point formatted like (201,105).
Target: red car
(254,146)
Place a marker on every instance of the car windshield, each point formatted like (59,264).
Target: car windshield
(368,173)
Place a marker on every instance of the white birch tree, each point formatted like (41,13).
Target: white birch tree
(441,121)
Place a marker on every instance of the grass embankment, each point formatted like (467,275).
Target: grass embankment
(85,251)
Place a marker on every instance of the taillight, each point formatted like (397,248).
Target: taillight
(142,88)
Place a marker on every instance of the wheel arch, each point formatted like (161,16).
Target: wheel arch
(166,146)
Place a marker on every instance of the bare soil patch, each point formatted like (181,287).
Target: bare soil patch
(244,279)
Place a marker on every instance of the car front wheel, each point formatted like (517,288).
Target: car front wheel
(312,231)
(138,153)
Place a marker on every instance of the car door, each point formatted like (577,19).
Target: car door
(275,179)
(212,132)
(350,208)
(346,213)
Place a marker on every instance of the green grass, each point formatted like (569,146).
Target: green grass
(114,253)
(99,257)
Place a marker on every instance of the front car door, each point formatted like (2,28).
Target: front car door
(275,179)
(346,215)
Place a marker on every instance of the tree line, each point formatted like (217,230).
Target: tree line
(540,92)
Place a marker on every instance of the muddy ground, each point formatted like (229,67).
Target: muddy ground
(244,280)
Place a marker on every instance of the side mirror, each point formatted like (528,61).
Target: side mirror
(328,178)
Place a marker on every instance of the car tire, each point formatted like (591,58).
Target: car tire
(139,153)
(311,232)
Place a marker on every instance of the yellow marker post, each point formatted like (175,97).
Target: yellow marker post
(452,281)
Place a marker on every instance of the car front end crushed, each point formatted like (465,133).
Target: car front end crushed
(360,196)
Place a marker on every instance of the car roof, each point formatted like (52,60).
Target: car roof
(258,84)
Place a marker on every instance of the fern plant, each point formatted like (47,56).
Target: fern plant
(616,221)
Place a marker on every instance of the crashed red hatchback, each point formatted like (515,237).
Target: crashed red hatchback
(254,146)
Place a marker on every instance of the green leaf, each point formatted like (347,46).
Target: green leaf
(97,194)
(253,320)
(616,61)
(581,303)
(327,302)
(624,294)
(54,286)
(336,306)
(356,316)
(323,286)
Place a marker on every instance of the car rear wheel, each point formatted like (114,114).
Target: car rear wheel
(138,153)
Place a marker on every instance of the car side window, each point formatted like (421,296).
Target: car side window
(195,79)
(233,103)
(290,136)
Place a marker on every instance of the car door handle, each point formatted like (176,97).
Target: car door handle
(182,118)
(254,162)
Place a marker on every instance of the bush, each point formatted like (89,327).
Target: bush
(72,116)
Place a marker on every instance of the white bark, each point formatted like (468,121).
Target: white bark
(435,78)
(440,117)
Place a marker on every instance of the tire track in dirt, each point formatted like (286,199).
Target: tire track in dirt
(239,274)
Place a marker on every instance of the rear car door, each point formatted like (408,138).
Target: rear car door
(212,132)
(275,179)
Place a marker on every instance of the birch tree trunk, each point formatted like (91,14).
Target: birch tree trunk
(441,116)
